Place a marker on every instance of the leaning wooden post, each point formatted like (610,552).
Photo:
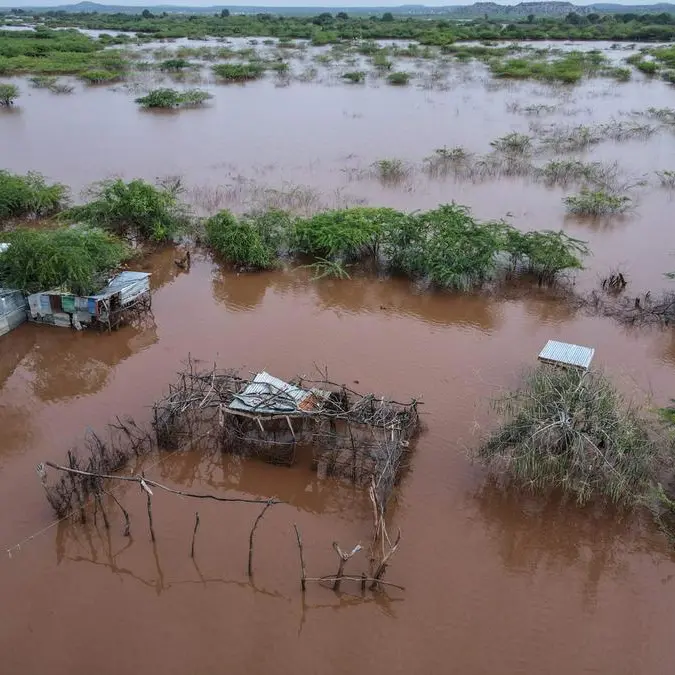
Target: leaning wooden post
(127,521)
(250,538)
(382,567)
(99,502)
(148,494)
(194,534)
(302,558)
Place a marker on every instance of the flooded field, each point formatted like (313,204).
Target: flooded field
(494,583)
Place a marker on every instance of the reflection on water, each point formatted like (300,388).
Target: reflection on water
(530,533)
(65,363)
(297,485)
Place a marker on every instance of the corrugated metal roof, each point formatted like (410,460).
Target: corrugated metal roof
(567,354)
(129,284)
(267,394)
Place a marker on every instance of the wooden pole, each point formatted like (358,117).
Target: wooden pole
(303,573)
(250,538)
(127,521)
(194,534)
(148,494)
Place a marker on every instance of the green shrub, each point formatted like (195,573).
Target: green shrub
(381,62)
(544,253)
(170,98)
(77,259)
(346,234)
(8,94)
(274,227)
(238,72)
(238,242)
(449,248)
(648,67)
(354,76)
(399,78)
(136,208)
(29,195)
(572,432)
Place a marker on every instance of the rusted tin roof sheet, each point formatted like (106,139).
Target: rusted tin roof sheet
(567,354)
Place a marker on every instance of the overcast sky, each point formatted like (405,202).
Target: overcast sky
(286,3)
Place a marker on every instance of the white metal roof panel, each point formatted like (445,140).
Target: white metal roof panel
(267,394)
(567,354)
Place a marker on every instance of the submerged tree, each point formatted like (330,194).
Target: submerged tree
(571,431)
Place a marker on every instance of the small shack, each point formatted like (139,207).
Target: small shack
(126,294)
(12,309)
(567,355)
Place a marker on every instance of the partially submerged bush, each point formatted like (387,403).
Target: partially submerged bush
(354,76)
(667,178)
(390,171)
(399,78)
(345,234)
(648,67)
(238,242)
(446,160)
(8,94)
(513,143)
(136,208)
(52,83)
(572,432)
(77,259)
(171,98)
(545,253)
(238,72)
(597,203)
(29,195)
(100,76)
(174,64)
(568,69)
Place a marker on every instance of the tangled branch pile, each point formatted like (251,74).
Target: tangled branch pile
(571,431)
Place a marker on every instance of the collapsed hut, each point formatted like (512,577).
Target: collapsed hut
(359,437)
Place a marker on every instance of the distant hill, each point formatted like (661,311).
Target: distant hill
(478,9)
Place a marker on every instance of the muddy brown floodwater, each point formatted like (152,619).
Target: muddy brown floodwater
(494,584)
